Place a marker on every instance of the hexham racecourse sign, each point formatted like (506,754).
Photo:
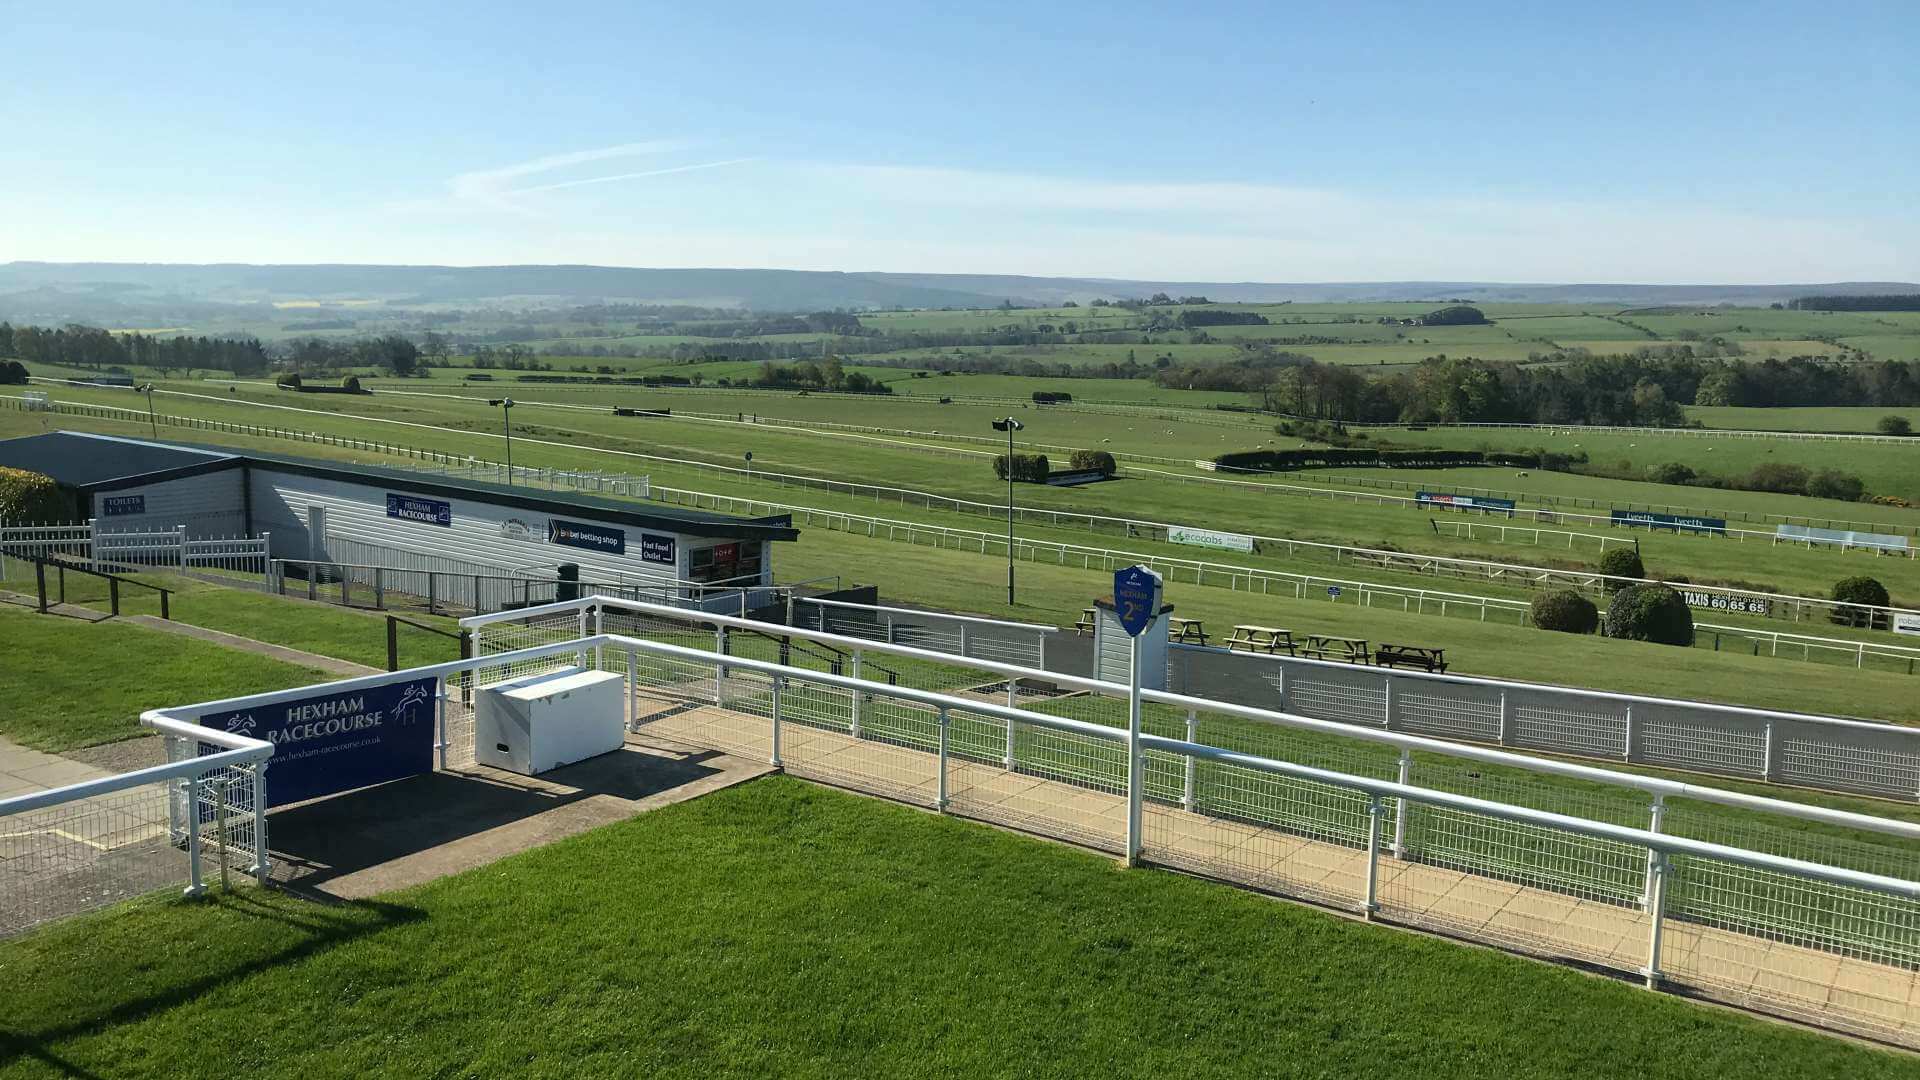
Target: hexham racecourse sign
(337,742)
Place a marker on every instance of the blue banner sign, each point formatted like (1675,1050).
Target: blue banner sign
(591,537)
(425,511)
(656,548)
(121,505)
(1647,519)
(1463,502)
(1136,598)
(337,742)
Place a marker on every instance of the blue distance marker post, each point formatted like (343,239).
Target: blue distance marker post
(1136,603)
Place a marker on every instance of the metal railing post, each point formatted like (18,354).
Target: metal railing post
(720,670)
(1188,770)
(194,885)
(859,696)
(1657,873)
(1374,812)
(1506,718)
(261,863)
(599,627)
(1659,813)
(1400,806)
(380,588)
(440,720)
(633,691)
(778,683)
(942,799)
(580,655)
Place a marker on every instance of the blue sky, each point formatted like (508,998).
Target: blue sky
(1669,142)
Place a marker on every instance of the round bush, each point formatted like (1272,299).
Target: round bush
(1650,613)
(1860,590)
(29,498)
(1671,472)
(1566,611)
(1622,562)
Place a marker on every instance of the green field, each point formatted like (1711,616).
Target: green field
(72,684)
(782,929)
(1853,420)
(964,581)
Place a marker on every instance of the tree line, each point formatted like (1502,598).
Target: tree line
(1648,390)
(1907,302)
(87,346)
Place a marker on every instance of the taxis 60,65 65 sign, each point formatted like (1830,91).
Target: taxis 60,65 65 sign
(1136,598)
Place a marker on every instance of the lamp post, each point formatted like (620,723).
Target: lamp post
(1009,425)
(153,424)
(506,419)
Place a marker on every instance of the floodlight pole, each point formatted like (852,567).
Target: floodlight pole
(153,424)
(1009,425)
(506,420)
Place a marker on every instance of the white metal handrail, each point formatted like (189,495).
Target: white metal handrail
(1648,784)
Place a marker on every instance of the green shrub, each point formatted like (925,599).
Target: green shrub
(1622,562)
(1093,459)
(13,373)
(1027,468)
(1778,477)
(1671,472)
(28,498)
(1864,591)
(1895,425)
(288,381)
(1834,484)
(1566,611)
(1650,613)
(351,384)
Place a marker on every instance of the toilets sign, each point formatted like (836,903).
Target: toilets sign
(336,742)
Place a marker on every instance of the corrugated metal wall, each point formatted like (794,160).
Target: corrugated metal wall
(479,536)
(208,505)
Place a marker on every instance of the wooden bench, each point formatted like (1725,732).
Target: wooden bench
(1186,631)
(1266,639)
(1085,625)
(1330,647)
(1413,656)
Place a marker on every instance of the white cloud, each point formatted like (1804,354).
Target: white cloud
(495,189)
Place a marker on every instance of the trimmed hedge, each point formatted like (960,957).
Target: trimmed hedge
(1566,611)
(288,381)
(1650,613)
(1310,458)
(1622,562)
(13,373)
(1860,589)
(1027,468)
(1093,459)
(28,498)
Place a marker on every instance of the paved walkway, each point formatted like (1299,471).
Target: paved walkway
(1753,971)
(24,770)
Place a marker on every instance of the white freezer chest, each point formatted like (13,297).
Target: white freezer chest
(540,722)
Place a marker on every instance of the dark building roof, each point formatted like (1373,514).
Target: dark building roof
(87,462)
(90,463)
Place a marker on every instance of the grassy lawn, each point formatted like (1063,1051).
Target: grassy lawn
(782,929)
(70,684)
(341,633)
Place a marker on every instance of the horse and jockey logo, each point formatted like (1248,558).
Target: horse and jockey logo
(241,725)
(411,699)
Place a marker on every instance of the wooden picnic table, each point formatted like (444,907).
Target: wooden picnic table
(1334,647)
(1186,631)
(1415,656)
(1085,625)
(1266,639)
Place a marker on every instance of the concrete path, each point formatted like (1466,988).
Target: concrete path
(415,831)
(24,770)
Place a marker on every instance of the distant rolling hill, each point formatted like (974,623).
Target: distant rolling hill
(42,292)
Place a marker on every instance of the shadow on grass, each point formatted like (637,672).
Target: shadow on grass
(309,929)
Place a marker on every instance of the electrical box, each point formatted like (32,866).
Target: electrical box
(540,722)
